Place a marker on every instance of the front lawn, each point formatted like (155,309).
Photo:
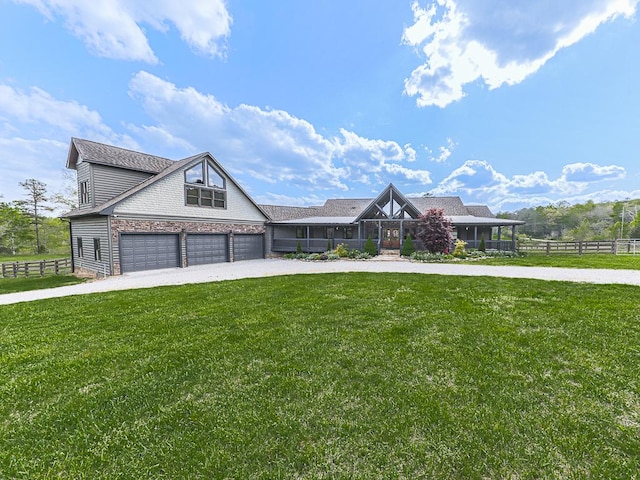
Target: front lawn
(22,284)
(354,375)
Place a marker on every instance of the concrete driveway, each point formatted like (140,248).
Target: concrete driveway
(273,267)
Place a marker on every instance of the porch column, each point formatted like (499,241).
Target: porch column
(499,235)
(379,234)
(475,236)
(359,235)
(513,238)
(401,233)
(308,239)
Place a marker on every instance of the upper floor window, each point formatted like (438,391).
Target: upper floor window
(84,192)
(80,247)
(205,187)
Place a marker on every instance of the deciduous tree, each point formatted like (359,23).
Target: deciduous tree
(435,231)
(34,205)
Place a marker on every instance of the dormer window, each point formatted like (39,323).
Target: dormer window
(204,186)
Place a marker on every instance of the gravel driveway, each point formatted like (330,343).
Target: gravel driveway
(272,267)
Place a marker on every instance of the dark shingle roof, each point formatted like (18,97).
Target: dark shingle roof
(479,211)
(451,205)
(95,152)
(352,207)
(279,213)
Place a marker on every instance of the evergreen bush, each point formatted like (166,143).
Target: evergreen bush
(370,247)
(483,246)
(407,247)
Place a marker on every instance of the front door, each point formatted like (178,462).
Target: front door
(391,238)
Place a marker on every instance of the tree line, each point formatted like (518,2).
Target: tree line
(28,226)
(581,222)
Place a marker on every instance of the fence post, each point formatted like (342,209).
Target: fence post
(42,264)
(548,248)
(579,248)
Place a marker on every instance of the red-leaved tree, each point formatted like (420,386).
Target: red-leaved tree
(434,231)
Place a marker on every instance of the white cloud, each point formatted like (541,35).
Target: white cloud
(470,177)
(444,152)
(35,133)
(272,146)
(499,42)
(115,28)
(589,172)
(478,181)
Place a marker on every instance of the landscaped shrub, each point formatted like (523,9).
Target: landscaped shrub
(341,250)
(459,250)
(430,257)
(407,247)
(370,247)
(434,230)
(298,247)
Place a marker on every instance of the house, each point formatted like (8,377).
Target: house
(141,212)
(386,219)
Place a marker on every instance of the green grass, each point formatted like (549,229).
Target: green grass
(325,376)
(33,258)
(618,262)
(22,284)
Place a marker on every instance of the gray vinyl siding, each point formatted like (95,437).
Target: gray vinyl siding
(89,228)
(110,182)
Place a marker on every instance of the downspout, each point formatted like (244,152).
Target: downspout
(73,264)
(110,244)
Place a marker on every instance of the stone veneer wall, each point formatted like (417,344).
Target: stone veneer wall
(119,225)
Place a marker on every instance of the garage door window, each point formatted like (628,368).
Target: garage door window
(204,186)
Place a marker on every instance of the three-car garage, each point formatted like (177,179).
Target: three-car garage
(149,251)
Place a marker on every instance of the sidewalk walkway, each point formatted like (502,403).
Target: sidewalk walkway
(274,267)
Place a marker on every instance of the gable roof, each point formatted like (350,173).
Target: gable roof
(107,207)
(100,153)
(390,196)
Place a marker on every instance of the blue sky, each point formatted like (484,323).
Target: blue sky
(509,103)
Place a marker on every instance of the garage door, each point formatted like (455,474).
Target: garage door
(248,247)
(207,248)
(148,251)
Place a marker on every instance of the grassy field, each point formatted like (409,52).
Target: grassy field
(22,284)
(617,262)
(32,258)
(325,376)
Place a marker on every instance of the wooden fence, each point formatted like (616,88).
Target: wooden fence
(616,247)
(36,268)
